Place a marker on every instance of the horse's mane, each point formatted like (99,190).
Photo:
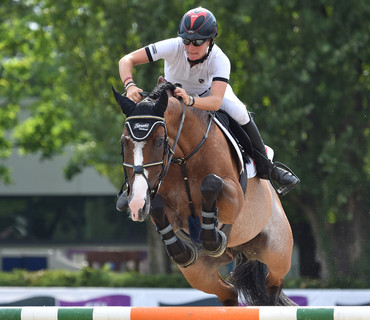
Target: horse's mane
(164,86)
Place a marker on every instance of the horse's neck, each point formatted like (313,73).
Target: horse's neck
(192,132)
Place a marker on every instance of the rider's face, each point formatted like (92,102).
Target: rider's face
(195,53)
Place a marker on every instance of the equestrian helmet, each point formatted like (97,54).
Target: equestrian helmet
(198,23)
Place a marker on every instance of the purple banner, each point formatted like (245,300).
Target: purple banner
(113,300)
(300,300)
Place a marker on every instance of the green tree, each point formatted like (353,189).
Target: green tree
(304,69)
(65,55)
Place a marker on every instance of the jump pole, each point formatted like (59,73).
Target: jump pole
(185,313)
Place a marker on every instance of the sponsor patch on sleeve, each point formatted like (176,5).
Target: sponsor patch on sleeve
(154,49)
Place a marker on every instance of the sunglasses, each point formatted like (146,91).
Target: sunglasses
(196,43)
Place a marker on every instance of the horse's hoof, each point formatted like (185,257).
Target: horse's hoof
(220,251)
(122,202)
(193,258)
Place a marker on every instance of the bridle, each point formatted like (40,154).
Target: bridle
(168,153)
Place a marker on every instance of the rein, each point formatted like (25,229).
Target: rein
(182,163)
(171,150)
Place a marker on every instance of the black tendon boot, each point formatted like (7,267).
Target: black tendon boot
(277,172)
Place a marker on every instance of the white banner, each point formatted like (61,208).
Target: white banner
(147,297)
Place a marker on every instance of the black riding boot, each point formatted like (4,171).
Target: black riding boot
(275,172)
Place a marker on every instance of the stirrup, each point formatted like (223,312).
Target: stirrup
(283,190)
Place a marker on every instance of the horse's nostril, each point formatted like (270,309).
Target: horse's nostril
(140,213)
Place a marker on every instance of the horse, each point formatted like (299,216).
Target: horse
(182,172)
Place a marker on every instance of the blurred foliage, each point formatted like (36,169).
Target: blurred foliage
(301,66)
(88,277)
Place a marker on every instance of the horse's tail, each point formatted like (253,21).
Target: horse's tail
(248,278)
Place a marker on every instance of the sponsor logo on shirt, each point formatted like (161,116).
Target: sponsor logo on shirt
(154,49)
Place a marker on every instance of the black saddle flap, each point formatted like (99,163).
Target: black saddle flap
(237,132)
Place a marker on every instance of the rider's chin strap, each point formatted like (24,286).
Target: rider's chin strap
(201,60)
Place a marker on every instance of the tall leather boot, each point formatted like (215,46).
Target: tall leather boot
(277,173)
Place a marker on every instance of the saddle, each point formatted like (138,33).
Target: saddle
(239,140)
(237,133)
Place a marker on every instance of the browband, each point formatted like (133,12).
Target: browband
(141,127)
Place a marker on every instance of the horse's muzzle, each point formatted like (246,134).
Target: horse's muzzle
(139,208)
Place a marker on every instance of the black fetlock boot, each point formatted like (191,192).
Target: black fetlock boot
(214,240)
(276,172)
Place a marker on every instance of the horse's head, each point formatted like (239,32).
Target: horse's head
(145,147)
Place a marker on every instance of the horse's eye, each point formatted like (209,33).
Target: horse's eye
(160,142)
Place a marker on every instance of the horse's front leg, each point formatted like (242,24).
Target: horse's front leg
(214,241)
(183,254)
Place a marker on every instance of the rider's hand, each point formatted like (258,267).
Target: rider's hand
(133,94)
(179,92)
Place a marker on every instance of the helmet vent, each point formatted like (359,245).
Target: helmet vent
(198,23)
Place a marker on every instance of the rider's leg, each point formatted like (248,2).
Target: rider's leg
(265,168)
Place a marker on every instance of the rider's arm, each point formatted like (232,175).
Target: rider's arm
(126,65)
(209,103)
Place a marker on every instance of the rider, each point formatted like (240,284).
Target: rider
(203,70)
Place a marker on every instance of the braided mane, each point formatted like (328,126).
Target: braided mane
(164,86)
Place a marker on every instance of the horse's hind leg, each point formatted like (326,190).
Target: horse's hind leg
(214,241)
(273,246)
(274,285)
(278,263)
(277,256)
(204,276)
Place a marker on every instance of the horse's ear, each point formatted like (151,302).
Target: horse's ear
(161,104)
(127,105)
(161,80)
